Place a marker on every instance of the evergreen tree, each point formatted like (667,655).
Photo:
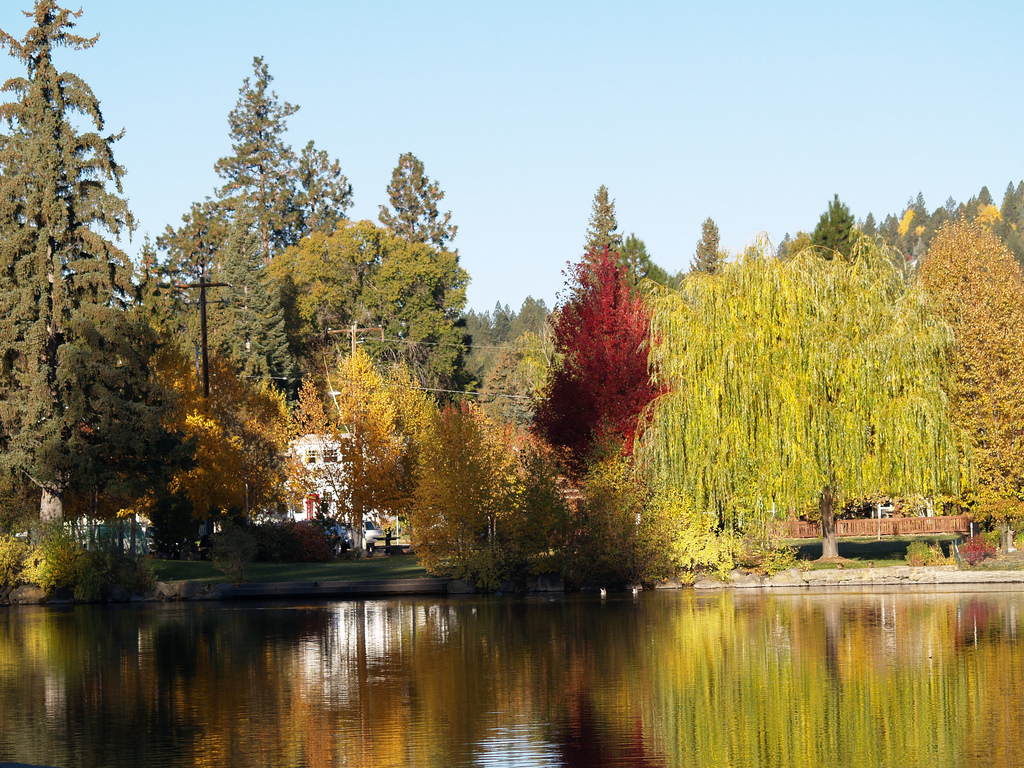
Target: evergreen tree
(259,177)
(870,228)
(325,193)
(414,199)
(249,328)
(707,258)
(193,247)
(601,232)
(637,261)
(77,412)
(155,295)
(834,232)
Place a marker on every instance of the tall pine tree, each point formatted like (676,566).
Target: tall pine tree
(324,192)
(602,231)
(414,198)
(835,232)
(259,176)
(77,412)
(707,258)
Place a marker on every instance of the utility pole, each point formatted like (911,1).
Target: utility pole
(202,285)
(354,330)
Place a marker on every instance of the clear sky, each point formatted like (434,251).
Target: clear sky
(753,113)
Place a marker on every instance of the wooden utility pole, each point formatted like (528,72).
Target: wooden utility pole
(202,285)
(353,331)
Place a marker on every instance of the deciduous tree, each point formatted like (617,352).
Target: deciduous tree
(796,384)
(600,382)
(977,285)
(486,502)
(238,436)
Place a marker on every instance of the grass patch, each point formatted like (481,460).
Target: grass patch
(865,552)
(396,567)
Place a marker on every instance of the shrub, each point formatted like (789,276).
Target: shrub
(59,561)
(12,560)
(920,553)
(277,543)
(763,550)
(134,575)
(616,534)
(313,542)
(232,551)
(976,549)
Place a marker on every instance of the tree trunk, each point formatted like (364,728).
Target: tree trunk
(51,506)
(829,544)
(1005,536)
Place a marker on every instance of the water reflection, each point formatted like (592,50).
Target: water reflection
(907,679)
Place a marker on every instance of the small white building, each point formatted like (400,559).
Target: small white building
(325,481)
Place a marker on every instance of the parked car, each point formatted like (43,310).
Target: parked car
(340,537)
(371,532)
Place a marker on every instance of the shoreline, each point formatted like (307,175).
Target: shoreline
(890,576)
(792,580)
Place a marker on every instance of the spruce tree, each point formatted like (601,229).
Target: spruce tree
(707,259)
(835,230)
(77,412)
(259,176)
(602,230)
(248,320)
(870,228)
(414,216)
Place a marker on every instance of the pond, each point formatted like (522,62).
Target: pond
(905,679)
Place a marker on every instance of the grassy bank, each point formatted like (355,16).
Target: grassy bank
(868,552)
(396,567)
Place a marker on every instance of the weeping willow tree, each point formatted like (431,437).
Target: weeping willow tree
(798,383)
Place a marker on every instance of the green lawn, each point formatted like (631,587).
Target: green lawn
(889,550)
(396,567)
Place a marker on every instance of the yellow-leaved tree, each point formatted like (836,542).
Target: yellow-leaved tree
(977,285)
(798,383)
(365,435)
(487,504)
(238,434)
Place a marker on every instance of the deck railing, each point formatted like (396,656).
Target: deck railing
(888,526)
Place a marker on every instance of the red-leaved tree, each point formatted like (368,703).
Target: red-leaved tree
(595,395)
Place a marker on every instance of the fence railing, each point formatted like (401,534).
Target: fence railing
(888,526)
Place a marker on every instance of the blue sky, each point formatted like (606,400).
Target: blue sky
(752,113)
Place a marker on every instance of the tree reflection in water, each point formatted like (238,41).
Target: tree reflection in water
(909,679)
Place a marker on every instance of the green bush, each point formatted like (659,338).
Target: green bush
(277,543)
(58,561)
(616,534)
(12,560)
(232,551)
(920,553)
(134,575)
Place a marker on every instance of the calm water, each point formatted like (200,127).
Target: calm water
(669,679)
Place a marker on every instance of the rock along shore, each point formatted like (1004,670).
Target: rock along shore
(893,576)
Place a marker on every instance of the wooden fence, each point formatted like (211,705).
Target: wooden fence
(887,526)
